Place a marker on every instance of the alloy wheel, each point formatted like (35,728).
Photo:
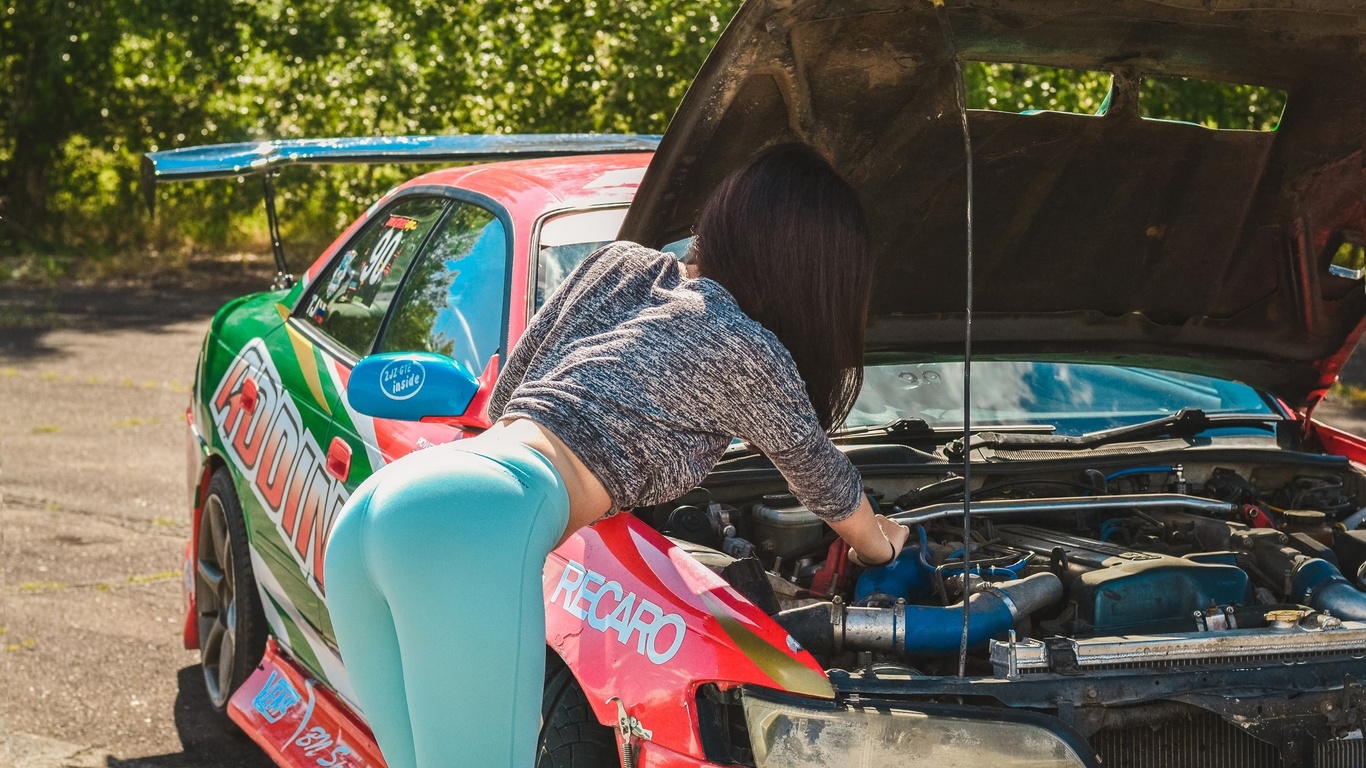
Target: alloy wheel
(215,601)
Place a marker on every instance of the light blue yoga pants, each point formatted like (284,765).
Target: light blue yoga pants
(433,579)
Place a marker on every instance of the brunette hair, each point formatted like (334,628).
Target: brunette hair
(787,237)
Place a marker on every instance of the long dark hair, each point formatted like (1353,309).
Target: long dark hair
(787,237)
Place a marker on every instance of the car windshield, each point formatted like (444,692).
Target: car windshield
(1073,398)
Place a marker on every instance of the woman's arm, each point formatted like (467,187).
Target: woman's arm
(764,401)
(823,478)
(872,538)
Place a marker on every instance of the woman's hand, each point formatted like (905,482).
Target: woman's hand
(874,540)
(895,534)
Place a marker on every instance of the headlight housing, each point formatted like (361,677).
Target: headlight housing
(792,732)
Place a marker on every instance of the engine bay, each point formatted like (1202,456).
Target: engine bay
(1139,565)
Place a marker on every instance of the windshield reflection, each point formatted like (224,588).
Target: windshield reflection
(1075,398)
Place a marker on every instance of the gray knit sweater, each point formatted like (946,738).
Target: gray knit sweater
(646,375)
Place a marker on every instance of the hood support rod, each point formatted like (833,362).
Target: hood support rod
(960,94)
(282,277)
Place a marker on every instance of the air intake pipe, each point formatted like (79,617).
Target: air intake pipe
(912,576)
(1320,585)
(1312,581)
(833,627)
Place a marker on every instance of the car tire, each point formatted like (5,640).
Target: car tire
(232,625)
(571,737)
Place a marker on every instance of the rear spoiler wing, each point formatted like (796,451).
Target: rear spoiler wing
(265,158)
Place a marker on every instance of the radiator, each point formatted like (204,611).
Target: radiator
(1208,741)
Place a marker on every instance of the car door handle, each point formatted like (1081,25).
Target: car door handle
(339,459)
(251,394)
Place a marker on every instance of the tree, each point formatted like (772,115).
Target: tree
(95,83)
(55,62)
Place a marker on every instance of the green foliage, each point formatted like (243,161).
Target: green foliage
(93,84)
(99,83)
(1349,395)
(1213,105)
(1022,87)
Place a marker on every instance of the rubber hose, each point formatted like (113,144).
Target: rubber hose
(908,576)
(834,627)
(1320,585)
(911,576)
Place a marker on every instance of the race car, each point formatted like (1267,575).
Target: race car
(453,262)
(1158,558)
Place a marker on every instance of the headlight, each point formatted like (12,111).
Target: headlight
(787,732)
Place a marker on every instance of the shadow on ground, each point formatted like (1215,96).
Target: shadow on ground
(29,315)
(209,740)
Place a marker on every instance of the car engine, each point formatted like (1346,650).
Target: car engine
(1202,605)
(1143,566)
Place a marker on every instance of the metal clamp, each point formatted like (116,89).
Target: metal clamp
(900,631)
(837,622)
(1012,658)
(629,730)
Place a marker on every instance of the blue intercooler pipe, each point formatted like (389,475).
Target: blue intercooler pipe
(833,627)
(1320,585)
(912,576)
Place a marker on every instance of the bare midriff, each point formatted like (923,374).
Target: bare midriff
(588,498)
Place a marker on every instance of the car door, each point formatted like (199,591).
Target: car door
(452,302)
(335,322)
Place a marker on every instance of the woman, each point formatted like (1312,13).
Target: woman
(624,391)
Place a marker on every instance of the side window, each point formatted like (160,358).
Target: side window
(566,239)
(351,296)
(453,301)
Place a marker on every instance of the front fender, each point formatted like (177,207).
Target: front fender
(199,468)
(639,619)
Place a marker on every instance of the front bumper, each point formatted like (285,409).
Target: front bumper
(1274,714)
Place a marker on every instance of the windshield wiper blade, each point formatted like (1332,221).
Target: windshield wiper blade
(1187,422)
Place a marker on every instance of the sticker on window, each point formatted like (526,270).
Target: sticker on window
(317,309)
(381,260)
(341,275)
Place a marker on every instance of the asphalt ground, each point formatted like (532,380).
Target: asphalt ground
(93,388)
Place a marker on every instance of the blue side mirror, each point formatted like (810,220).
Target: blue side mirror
(410,386)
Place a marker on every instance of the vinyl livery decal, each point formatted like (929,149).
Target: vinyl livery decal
(299,723)
(604,605)
(279,459)
(275,698)
(402,379)
(318,743)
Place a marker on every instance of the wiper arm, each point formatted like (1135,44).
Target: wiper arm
(1187,422)
(901,429)
(898,428)
(908,429)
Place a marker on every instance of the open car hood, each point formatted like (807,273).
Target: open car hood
(1101,238)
